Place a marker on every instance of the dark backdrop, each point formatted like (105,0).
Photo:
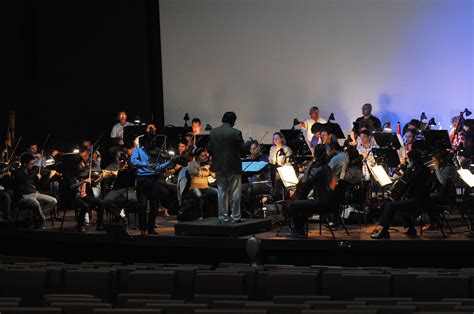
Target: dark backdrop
(69,66)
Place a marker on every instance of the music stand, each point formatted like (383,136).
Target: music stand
(291,135)
(386,140)
(386,156)
(467,177)
(438,139)
(299,148)
(253,167)
(380,175)
(131,132)
(335,129)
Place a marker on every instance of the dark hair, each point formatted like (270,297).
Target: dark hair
(442,156)
(415,156)
(229,117)
(334,146)
(320,154)
(354,157)
(416,123)
(316,127)
(254,142)
(326,129)
(199,151)
(365,132)
(283,139)
(26,158)
(366,123)
(196,120)
(183,141)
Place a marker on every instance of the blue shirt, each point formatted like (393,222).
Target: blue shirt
(141,160)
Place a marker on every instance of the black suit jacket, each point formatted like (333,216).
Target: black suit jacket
(226,145)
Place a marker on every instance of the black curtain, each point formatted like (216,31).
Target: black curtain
(72,65)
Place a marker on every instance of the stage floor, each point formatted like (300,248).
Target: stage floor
(357,249)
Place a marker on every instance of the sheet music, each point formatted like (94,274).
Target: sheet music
(288,176)
(467,177)
(380,175)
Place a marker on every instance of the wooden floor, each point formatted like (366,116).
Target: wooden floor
(280,230)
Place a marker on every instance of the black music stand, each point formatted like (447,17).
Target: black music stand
(131,132)
(175,134)
(335,129)
(387,140)
(386,156)
(291,135)
(437,139)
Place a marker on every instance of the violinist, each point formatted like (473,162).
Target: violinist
(257,184)
(200,170)
(148,170)
(317,178)
(6,194)
(78,194)
(25,181)
(418,195)
(96,156)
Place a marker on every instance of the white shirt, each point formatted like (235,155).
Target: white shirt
(117,131)
(280,156)
(308,123)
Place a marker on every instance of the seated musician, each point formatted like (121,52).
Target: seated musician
(77,194)
(24,185)
(96,157)
(318,179)
(308,123)
(119,196)
(418,195)
(196,126)
(200,170)
(365,144)
(117,131)
(335,159)
(351,170)
(279,153)
(257,184)
(446,176)
(316,138)
(6,195)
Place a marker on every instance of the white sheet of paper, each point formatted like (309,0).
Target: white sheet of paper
(467,177)
(288,176)
(380,175)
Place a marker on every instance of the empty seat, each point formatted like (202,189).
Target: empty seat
(385,309)
(162,282)
(464,302)
(141,303)
(30,310)
(437,287)
(96,282)
(323,305)
(339,311)
(177,308)
(123,298)
(209,298)
(219,283)
(299,298)
(279,308)
(80,307)
(349,286)
(287,283)
(432,306)
(230,311)
(127,311)
(50,301)
(383,301)
(29,284)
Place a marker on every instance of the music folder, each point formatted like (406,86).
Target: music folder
(253,166)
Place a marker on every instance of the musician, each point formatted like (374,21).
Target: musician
(367,115)
(200,170)
(226,144)
(365,144)
(147,183)
(257,184)
(87,146)
(414,125)
(308,123)
(196,126)
(316,139)
(409,139)
(117,130)
(335,159)
(78,194)
(418,195)
(279,153)
(317,178)
(25,181)
(6,195)
(351,170)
